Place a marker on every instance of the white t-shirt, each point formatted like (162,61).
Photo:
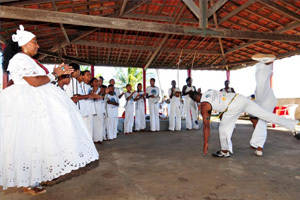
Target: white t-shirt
(112,110)
(87,106)
(139,103)
(173,97)
(72,88)
(187,97)
(153,91)
(100,106)
(117,92)
(129,102)
(218,100)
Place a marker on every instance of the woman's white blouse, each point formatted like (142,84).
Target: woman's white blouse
(22,65)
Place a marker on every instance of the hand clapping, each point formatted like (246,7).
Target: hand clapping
(63,69)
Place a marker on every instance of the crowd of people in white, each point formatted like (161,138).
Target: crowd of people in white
(48,130)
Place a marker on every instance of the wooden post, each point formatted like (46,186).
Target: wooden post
(93,70)
(189,73)
(5,74)
(228,75)
(144,85)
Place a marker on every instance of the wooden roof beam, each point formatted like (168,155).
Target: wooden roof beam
(63,44)
(290,26)
(61,25)
(281,9)
(236,11)
(193,7)
(203,18)
(136,5)
(68,58)
(213,9)
(123,7)
(126,24)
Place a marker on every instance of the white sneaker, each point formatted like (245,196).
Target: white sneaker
(258,153)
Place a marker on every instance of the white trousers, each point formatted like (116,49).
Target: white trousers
(98,128)
(88,120)
(175,118)
(112,127)
(154,116)
(259,135)
(140,122)
(129,119)
(191,112)
(242,104)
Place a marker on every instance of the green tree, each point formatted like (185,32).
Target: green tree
(130,75)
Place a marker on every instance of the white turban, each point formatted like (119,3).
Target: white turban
(22,36)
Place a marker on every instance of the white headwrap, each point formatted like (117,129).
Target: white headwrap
(22,36)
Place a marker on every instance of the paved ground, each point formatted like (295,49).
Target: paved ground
(170,166)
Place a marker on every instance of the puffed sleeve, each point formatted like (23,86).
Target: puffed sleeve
(22,66)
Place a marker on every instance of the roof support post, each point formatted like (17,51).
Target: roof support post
(203,14)
(144,86)
(93,70)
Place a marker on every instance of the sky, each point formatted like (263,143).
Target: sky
(286,80)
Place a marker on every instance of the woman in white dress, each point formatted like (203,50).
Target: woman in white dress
(42,133)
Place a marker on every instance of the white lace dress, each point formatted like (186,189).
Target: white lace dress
(42,134)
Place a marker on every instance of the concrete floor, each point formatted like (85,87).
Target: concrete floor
(170,166)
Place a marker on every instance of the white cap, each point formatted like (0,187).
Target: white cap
(22,36)
(264,58)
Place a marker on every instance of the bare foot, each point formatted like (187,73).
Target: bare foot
(35,191)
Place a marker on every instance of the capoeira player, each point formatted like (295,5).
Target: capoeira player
(232,105)
(129,110)
(190,107)
(112,106)
(175,108)
(264,97)
(153,99)
(139,98)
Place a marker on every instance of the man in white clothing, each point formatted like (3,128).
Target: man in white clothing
(139,98)
(129,110)
(87,107)
(152,94)
(232,105)
(175,108)
(264,97)
(227,89)
(112,105)
(190,106)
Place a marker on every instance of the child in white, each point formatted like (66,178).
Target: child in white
(139,98)
(99,118)
(153,100)
(87,107)
(112,105)
(129,110)
(175,109)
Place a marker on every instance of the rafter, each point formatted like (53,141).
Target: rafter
(236,11)
(64,43)
(126,24)
(123,7)
(281,9)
